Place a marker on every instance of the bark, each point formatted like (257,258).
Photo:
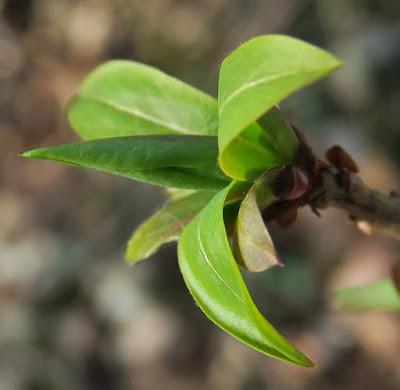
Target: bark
(373,211)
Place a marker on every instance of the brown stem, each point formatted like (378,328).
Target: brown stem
(373,211)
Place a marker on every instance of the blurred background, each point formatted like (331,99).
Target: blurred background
(73,315)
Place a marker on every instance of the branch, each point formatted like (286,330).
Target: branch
(373,211)
(332,183)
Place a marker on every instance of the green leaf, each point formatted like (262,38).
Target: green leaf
(379,295)
(250,154)
(252,244)
(266,143)
(214,280)
(280,133)
(177,193)
(123,98)
(166,225)
(253,79)
(169,161)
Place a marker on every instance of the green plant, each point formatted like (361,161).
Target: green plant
(228,166)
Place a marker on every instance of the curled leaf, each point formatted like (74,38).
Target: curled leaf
(252,244)
(282,134)
(253,79)
(215,282)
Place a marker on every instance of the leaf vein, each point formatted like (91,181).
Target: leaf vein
(262,81)
(204,254)
(150,118)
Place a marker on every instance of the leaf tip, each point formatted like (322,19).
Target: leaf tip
(131,262)
(29,154)
(38,154)
(309,363)
(302,360)
(337,63)
(132,255)
(129,257)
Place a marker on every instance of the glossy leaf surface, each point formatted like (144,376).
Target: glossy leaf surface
(170,161)
(166,225)
(123,98)
(253,79)
(215,282)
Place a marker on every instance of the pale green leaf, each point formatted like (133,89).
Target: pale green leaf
(253,79)
(267,143)
(214,280)
(166,225)
(379,295)
(252,244)
(123,98)
(250,154)
(169,161)
(177,193)
(280,133)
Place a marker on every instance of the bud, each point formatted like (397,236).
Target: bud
(291,183)
(340,159)
(286,219)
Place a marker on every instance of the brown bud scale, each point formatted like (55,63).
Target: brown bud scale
(340,159)
(291,183)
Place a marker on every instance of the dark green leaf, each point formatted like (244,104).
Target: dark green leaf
(214,280)
(169,161)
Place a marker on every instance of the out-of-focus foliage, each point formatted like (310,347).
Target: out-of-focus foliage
(380,295)
(61,272)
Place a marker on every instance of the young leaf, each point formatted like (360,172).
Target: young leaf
(258,75)
(250,154)
(123,98)
(170,161)
(252,244)
(177,193)
(266,143)
(166,225)
(281,134)
(379,295)
(215,282)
